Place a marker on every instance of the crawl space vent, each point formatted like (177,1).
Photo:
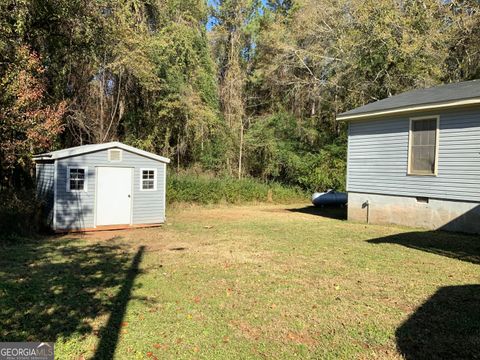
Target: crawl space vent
(114,155)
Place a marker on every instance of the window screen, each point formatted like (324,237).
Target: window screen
(148,179)
(423,146)
(77,179)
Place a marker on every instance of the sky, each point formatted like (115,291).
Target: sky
(211,20)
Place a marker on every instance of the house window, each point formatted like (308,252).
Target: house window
(114,155)
(148,181)
(423,146)
(77,179)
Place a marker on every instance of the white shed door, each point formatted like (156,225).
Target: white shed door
(114,195)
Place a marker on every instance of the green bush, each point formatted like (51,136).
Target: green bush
(297,153)
(202,189)
(20,215)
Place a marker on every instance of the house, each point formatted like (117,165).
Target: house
(93,186)
(414,159)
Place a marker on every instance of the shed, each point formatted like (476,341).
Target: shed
(108,185)
(414,159)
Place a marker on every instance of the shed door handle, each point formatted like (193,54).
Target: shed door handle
(128,195)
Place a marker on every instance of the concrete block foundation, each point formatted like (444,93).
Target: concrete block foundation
(427,213)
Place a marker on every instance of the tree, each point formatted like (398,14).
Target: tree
(180,116)
(255,96)
(316,59)
(232,41)
(28,124)
(464,48)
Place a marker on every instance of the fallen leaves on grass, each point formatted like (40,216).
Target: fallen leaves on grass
(300,338)
(150,355)
(160,346)
(249,331)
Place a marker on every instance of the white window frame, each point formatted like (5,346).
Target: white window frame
(110,158)
(85,181)
(410,140)
(154,179)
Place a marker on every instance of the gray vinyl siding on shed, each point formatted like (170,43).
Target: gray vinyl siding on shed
(45,174)
(75,210)
(378,157)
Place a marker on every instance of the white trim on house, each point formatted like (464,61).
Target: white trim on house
(54,221)
(348,156)
(164,191)
(95,199)
(84,149)
(85,180)
(155,179)
(424,107)
(132,191)
(437,141)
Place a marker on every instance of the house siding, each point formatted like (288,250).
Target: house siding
(76,210)
(378,157)
(45,175)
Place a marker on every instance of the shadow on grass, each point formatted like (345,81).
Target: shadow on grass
(54,288)
(446,326)
(333,212)
(458,246)
(110,333)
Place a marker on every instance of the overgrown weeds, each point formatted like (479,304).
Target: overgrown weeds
(203,189)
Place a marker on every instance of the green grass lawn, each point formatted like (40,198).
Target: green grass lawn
(260,281)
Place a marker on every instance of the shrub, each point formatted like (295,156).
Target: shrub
(20,215)
(296,152)
(202,189)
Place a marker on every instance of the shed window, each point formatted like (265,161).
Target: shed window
(423,146)
(148,180)
(77,178)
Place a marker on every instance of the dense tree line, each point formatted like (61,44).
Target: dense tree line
(238,87)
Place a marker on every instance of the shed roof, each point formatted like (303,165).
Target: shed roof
(84,149)
(444,96)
